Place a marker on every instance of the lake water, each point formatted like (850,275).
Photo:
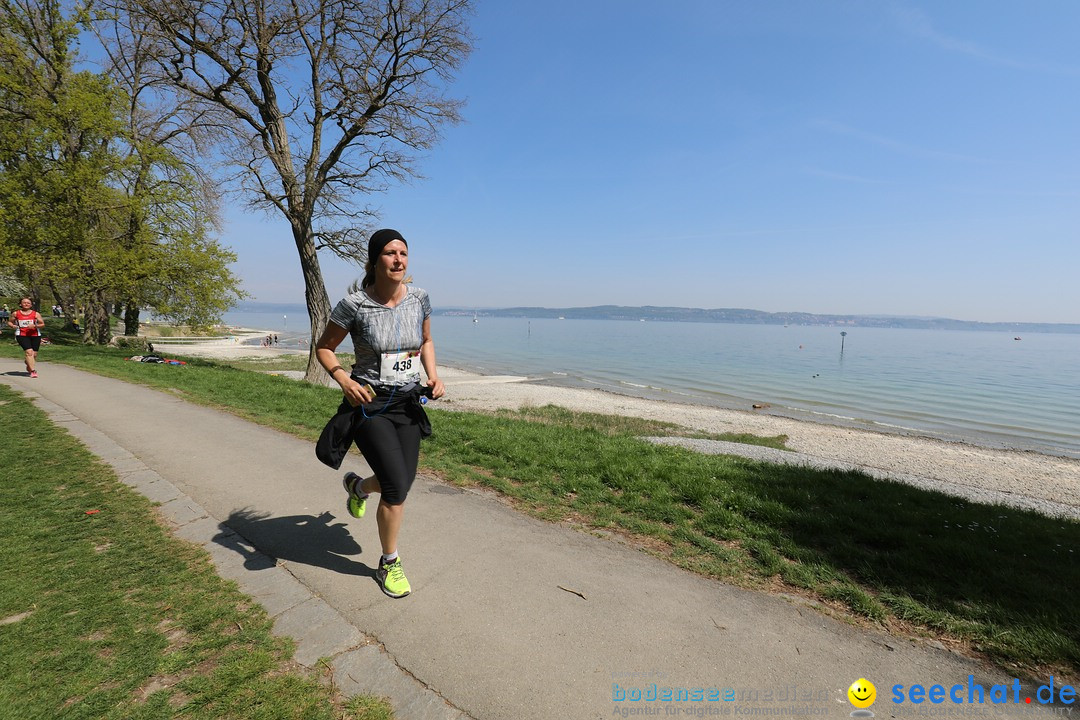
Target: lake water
(981,387)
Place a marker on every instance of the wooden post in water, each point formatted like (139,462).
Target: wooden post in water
(843,334)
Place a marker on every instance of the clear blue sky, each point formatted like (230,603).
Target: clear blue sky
(830,156)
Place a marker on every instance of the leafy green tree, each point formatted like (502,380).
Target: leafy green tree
(99,211)
(177,268)
(57,127)
(173,204)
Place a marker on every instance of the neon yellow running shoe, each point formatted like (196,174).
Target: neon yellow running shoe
(357,502)
(392,579)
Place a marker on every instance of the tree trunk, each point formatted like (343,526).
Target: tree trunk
(67,305)
(131,319)
(96,320)
(318,304)
(71,309)
(56,294)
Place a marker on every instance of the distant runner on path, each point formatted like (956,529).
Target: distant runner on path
(28,323)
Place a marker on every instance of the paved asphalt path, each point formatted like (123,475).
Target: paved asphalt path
(510,617)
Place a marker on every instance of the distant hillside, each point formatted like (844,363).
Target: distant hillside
(759,317)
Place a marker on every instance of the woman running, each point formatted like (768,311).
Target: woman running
(390,325)
(28,323)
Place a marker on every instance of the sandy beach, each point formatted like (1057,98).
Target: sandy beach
(239,344)
(1026,479)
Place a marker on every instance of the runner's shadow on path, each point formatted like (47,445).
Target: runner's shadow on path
(308,539)
(17,373)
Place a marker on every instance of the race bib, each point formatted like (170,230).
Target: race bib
(400,368)
(27,323)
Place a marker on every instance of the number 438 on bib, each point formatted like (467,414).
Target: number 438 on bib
(398,368)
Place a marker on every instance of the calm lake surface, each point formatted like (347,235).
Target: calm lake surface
(981,387)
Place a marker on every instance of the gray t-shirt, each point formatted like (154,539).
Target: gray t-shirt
(377,329)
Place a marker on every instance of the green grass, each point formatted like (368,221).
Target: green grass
(271,364)
(997,580)
(165,330)
(613,425)
(107,616)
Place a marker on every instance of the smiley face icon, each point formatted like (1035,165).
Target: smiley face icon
(862,693)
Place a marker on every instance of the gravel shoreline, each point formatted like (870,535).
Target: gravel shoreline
(1018,478)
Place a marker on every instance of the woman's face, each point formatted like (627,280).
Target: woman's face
(393,261)
(25,304)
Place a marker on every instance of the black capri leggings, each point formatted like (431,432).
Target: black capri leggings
(29,342)
(392,451)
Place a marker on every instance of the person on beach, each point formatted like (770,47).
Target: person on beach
(28,323)
(390,325)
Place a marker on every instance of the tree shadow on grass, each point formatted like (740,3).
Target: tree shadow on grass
(1005,577)
(308,539)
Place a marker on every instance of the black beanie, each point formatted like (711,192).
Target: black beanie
(380,239)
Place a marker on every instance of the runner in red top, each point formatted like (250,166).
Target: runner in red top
(28,323)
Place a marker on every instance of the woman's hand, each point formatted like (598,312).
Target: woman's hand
(437,388)
(355,393)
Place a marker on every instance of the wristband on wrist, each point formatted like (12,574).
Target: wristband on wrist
(334,369)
